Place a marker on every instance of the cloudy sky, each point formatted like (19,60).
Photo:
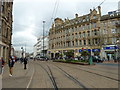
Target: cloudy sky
(28,16)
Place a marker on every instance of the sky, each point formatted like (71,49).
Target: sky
(28,17)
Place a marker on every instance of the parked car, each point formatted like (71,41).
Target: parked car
(43,58)
(97,59)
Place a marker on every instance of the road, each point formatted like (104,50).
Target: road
(48,74)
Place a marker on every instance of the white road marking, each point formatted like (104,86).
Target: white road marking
(30,79)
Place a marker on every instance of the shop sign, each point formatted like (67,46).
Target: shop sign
(94,50)
(89,50)
(112,47)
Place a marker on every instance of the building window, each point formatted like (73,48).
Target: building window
(88,26)
(105,41)
(80,34)
(69,44)
(76,35)
(84,42)
(113,22)
(84,20)
(104,24)
(95,32)
(93,41)
(76,42)
(94,17)
(105,31)
(113,31)
(88,33)
(72,29)
(72,43)
(94,25)
(64,44)
(80,42)
(88,41)
(113,40)
(84,35)
(96,42)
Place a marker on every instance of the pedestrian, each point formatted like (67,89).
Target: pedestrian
(2,63)
(108,57)
(21,60)
(11,64)
(25,62)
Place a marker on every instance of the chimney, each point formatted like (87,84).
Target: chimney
(99,10)
(65,19)
(90,10)
(76,15)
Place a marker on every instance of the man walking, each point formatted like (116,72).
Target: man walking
(25,62)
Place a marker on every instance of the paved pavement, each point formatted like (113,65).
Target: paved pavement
(48,74)
(20,76)
(110,61)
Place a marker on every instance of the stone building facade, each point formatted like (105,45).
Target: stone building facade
(85,32)
(76,34)
(110,29)
(5,28)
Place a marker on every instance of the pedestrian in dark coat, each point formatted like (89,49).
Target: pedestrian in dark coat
(108,57)
(10,64)
(25,62)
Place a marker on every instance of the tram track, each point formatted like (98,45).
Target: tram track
(49,73)
(67,75)
(94,73)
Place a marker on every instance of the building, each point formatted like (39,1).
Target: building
(35,53)
(5,28)
(18,54)
(110,28)
(38,47)
(82,32)
(12,51)
(92,32)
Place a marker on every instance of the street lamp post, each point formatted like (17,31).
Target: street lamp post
(118,51)
(91,59)
(43,37)
(115,53)
(22,51)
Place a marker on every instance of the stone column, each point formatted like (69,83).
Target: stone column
(1,51)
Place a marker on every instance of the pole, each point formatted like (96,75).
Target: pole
(22,51)
(90,59)
(25,49)
(43,37)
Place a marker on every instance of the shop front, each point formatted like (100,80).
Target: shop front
(109,52)
(93,52)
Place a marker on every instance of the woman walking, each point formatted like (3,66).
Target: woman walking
(11,64)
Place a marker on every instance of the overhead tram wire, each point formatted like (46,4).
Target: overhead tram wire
(54,13)
(56,10)
(53,16)
(100,4)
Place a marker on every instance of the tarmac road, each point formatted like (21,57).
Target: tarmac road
(48,74)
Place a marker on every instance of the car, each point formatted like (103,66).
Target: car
(43,58)
(97,59)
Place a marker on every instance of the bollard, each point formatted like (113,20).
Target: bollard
(90,60)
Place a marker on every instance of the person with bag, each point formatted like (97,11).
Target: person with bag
(11,64)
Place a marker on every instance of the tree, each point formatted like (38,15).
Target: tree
(69,53)
(85,54)
(96,53)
